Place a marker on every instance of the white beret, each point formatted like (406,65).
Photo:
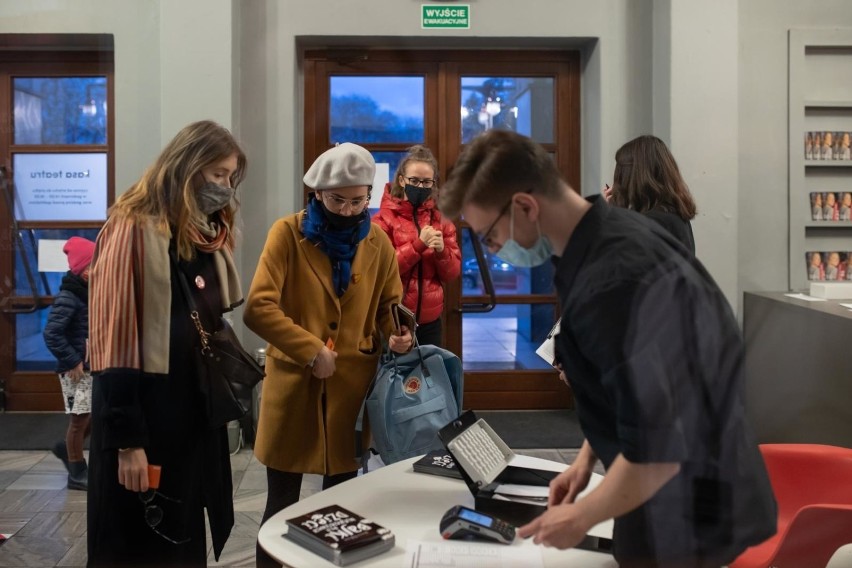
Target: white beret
(345,165)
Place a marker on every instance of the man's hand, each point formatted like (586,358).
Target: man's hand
(401,343)
(324,364)
(567,485)
(561,526)
(133,469)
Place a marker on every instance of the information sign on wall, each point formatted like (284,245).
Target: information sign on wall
(60,187)
(456,16)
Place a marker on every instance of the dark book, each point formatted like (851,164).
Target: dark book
(339,535)
(437,462)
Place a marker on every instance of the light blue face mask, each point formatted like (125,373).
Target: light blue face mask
(515,254)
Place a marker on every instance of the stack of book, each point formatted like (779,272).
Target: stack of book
(339,535)
(437,462)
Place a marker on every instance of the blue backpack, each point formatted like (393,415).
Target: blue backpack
(411,397)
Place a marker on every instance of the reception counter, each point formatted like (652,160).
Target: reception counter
(798,369)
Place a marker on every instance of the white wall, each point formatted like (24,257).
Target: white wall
(703,127)
(173,64)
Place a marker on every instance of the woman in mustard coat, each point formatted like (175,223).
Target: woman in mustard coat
(321,297)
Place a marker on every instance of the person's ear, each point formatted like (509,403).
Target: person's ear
(528,204)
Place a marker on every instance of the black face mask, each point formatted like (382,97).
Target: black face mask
(341,222)
(417,196)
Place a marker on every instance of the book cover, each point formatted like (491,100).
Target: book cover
(437,462)
(403,316)
(339,535)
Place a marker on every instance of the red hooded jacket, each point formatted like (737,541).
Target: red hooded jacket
(423,270)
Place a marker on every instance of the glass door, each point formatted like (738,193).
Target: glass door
(496,314)
(56,172)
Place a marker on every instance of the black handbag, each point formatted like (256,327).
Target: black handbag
(227,373)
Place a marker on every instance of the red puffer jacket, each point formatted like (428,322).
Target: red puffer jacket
(422,269)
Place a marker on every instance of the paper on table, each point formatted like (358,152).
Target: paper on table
(847,306)
(805,297)
(463,554)
(516,490)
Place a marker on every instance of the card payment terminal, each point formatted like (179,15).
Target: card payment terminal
(461,522)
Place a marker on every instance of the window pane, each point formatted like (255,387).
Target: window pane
(507,278)
(64,110)
(520,104)
(31,354)
(377,109)
(506,338)
(48,268)
(60,187)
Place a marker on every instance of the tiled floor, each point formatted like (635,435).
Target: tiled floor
(49,522)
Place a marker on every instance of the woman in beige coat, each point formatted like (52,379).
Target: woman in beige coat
(321,297)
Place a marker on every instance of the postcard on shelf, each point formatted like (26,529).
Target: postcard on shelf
(547,350)
(437,462)
(339,535)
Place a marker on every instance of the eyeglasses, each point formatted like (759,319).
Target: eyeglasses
(154,514)
(417,182)
(485,238)
(337,203)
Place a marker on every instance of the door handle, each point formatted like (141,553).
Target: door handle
(485,275)
(7,305)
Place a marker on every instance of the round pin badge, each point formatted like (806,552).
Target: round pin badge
(411,385)
(199,282)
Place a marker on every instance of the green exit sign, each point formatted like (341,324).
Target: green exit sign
(445,16)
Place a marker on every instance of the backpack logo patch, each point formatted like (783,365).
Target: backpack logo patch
(412,385)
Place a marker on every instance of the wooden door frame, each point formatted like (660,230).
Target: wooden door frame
(45,55)
(483,389)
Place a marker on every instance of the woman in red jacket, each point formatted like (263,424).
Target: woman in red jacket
(425,243)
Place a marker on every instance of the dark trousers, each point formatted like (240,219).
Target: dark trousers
(430,333)
(283,490)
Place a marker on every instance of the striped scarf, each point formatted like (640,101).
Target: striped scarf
(130,292)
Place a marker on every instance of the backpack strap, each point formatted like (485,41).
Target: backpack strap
(359,422)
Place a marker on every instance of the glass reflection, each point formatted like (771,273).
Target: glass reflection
(520,104)
(60,110)
(506,338)
(377,109)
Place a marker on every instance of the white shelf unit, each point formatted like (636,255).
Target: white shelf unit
(820,99)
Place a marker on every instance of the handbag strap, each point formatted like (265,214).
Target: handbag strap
(203,335)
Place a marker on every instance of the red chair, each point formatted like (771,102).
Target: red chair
(813,487)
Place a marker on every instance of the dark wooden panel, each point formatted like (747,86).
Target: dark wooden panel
(523,400)
(35,402)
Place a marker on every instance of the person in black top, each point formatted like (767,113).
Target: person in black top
(653,355)
(648,181)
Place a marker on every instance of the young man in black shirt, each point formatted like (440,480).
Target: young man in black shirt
(653,355)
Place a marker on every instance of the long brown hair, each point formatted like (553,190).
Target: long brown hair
(166,191)
(417,153)
(647,177)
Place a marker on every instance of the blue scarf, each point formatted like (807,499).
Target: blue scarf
(339,245)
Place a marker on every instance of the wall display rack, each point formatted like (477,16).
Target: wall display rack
(820,107)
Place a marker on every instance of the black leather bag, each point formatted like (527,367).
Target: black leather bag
(228,376)
(227,373)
